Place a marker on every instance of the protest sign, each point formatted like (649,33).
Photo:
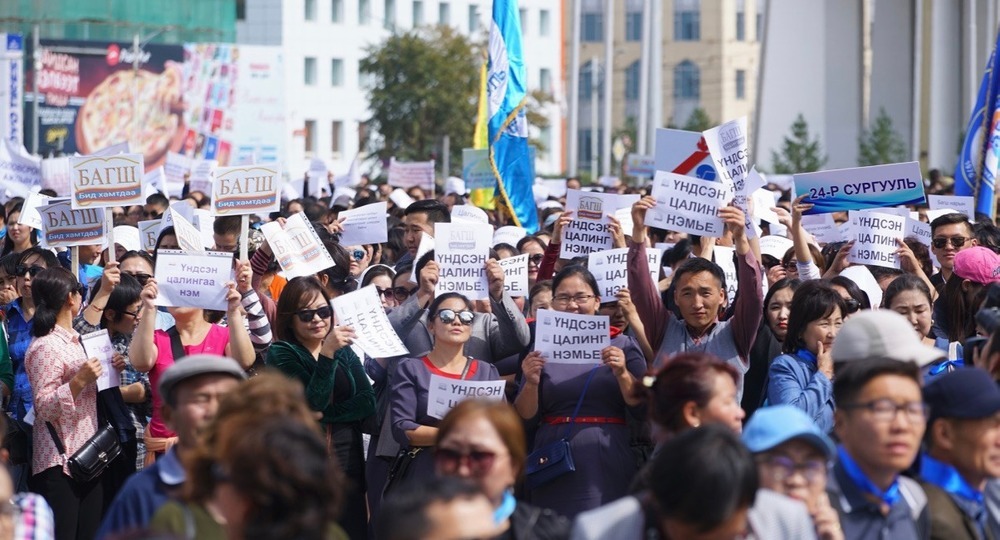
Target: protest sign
(55,175)
(934,214)
(687,205)
(148,231)
(610,268)
(509,234)
(900,211)
(469,214)
(624,212)
(763,203)
(728,145)
(203,221)
(724,258)
(919,230)
(98,345)
(177,207)
(414,174)
(444,393)
(363,311)
(106,181)
(461,250)
(515,275)
(426,244)
(154,181)
(823,228)
(246,190)
(317,173)
(175,168)
(186,279)
(775,246)
(640,166)
(188,236)
(19,170)
(201,175)
(588,231)
(864,279)
(654,257)
(297,247)
(64,226)
(568,338)
(874,236)
(29,210)
(400,198)
(683,152)
(861,188)
(364,225)
(963,205)
(476,169)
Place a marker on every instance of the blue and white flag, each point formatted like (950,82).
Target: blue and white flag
(508,126)
(976,171)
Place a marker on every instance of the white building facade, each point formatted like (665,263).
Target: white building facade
(324,41)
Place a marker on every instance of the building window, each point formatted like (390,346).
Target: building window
(310,137)
(310,10)
(473,19)
(632,81)
(545,135)
(336,72)
(687,20)
(544,22)
(390,14)
(418,13)
(545,80)
(364,12)
(633,26)
(761,7)
(310,71)
(741,84)
(444,13)
(241,10)
(337,138)
(687,80)
(523,16)
(336,11)
(592,27)
(741,20)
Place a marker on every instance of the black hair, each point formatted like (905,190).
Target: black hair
(579,271)
(339,275)
(158,199)
(122,296)
(168,231)
(702,477)
(855,292)
(681,251)
(49,258)
(375,271)
(698,265)
(420,264)
(950,219)
(903,283)
(50,290)
(436,212)
(503,246)
(961,307)
(531,238)
(9,262)
(851,377)
(812,301)
(140,254)
(988,235)
(227,225)
(8,244)
(922,253)
(433,308)
(404,512)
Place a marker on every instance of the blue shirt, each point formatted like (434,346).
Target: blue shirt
(795,379)
(142,495)
(18,339)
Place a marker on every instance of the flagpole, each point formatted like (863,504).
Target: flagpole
(594,104)
(656,71)
(643,81)
(609,71)
(574,90)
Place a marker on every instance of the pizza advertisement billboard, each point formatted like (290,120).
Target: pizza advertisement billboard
(87,98)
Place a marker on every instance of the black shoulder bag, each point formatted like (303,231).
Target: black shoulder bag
(94,456)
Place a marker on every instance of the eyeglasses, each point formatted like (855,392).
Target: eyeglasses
(306,315)
(134,315)
(791,266)
(358,254)
(402,293)
(448,316)
(141,278)
(479,462)
(885,410)
(30,270)
(956,241)
(152,215)
(852,305)
(783,468)
(536,259)
(577,299)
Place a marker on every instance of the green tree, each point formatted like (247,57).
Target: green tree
(799,153)
(882,144)
(423,85)
(698,121)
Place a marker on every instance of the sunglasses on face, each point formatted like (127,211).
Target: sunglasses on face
(448,316)
(385,293)
(852,305)
(141,278)
(358,254)
(536,259)
(478,462)
(307,315)
(32,270)
(152,215)
(956,242)
(402,293)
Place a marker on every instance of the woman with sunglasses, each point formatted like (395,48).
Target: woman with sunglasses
(361,259)
(803,376)
(450,326)
(483,442)
(600,438)
(381,276)
(311,350)
(534,247)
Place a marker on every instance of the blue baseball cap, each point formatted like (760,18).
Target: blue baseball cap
(777,424)
(967,393)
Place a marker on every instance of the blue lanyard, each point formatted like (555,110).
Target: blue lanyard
(947,478)
(854,472)
(506,508)
(945,366)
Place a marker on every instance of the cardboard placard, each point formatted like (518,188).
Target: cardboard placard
(63,226)
(297,247)
(444,393)
(461,250)
(363,311)
(610,268)
(187,279)
(861,188)
(568,338)
(515,275)
(364,225)
(687,205)
(101,182)
(239,191)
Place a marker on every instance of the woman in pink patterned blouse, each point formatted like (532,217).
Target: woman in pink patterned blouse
(63,383)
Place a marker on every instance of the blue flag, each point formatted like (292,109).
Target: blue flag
(512,162)
(976,171)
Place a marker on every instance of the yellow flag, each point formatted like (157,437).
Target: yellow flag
(483,197)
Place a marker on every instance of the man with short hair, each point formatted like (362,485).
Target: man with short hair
(226,233)
(156,205)
(418,218)
(445,507)
(192,389)
(962,448)
(950,233)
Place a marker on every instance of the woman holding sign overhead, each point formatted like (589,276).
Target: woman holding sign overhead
(599,437)
(316,353)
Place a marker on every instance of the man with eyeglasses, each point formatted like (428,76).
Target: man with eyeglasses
(962,452)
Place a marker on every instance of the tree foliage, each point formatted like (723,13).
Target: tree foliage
(799,153)
(882,144)
(698,121)
(423,86)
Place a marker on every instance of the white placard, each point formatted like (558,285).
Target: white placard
(568,338)
(509,234)
(188,236)
(297,247)
(724,258)
(401,198)
(515,274)
(364,225)
(201,175)
(62,226)
(193,279)
(874,236)
(688,205)
(203,221)
(461,250)
(919,230)
(176,167)
(426,244)
(683,152)
(362,310)
(823,228)
(412,174)
(153,182)
(588,231)
(763,202)
(19,170)
(29,210)
(934,214)
(961,204)
(654,257)
(624,212)
(775,246)
(55,175)
(148,232)
(237,191)
(101,182)
(728,145)
(469,214)
(610,268)
(444,393)
(98,345)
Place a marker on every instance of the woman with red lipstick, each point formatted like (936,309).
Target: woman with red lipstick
(803,376)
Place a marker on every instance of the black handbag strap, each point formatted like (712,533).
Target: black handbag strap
(176,347)
(56,439)
(579,402)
